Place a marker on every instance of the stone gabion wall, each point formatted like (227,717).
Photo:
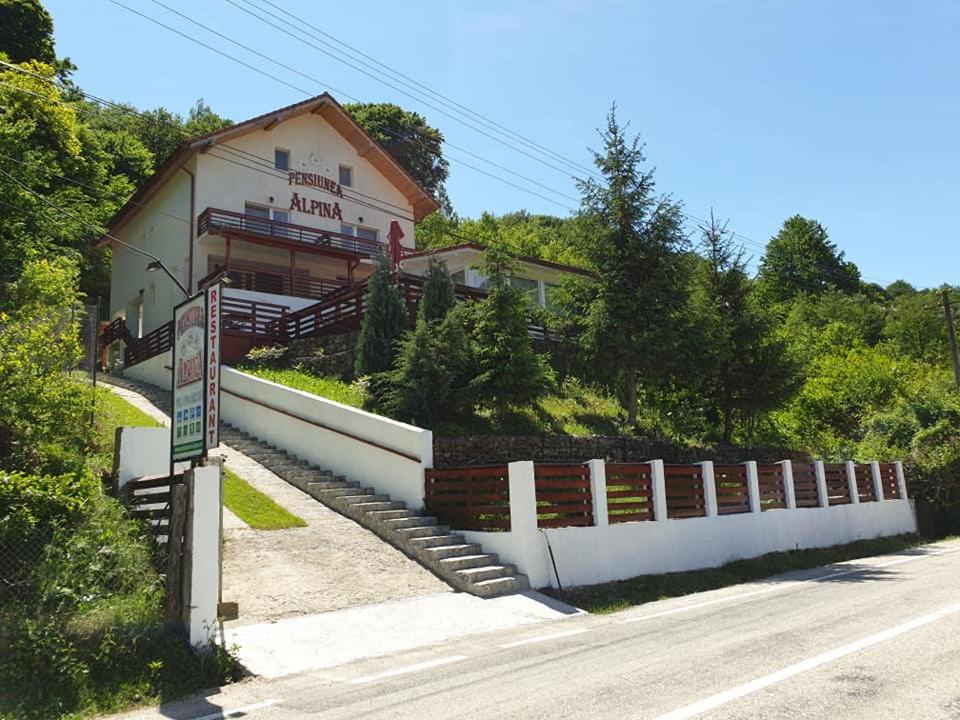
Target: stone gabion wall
(325,355)
(451,452)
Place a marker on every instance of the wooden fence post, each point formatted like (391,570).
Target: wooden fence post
(709,488)
(753,485)
(877,480)
(598,491)
(822,493)
(789,492)
(173,602)
(852,482)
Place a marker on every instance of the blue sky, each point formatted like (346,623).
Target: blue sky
(846,112)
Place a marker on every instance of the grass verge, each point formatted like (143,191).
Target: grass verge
(330,388)
(621,594)
(253,507)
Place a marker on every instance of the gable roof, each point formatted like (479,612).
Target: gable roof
(323,105)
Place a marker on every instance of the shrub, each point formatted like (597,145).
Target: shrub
(384,320)
(267,356)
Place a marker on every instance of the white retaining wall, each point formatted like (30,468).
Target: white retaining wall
(387,455)
(155,370)
(588,555)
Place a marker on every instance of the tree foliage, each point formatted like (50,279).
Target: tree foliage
(384,320)
(415,145)
(26,31)
(438,295)
(630,309)
(800,259)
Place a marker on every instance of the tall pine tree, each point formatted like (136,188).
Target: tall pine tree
(384,320)
(630,310)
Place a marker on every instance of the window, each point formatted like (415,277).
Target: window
(550,295)
(459,277)
(256,211)
(281,216)
(346,229)
(367,234)
(346,176)
(281,159)
(530,288)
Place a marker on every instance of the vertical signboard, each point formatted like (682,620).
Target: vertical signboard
(189,369)
(212,389)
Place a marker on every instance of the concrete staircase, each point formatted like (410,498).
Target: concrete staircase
(461,564)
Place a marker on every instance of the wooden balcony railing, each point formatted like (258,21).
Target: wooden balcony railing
(245,277)
(213,220)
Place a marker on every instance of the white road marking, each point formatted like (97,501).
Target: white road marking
(238,712)
(780,587)
(409,669)
(543,638)
(753,686)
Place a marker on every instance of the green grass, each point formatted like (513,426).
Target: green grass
(253,507)
(111,412)
(327,387)
(619,595)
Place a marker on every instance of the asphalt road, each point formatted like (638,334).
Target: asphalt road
(876,638)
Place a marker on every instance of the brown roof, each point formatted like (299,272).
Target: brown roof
(523,258)
(323,105)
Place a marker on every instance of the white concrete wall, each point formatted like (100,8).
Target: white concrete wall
(155,370)
(307,425)
(141,451)
(589,555)
(201,568)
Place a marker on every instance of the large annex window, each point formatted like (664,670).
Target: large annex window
(346,176)
(281,159)
(360,232)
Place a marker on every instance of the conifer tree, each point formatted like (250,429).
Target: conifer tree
(384,320)
(438,296)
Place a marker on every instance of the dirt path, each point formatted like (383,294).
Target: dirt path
(330,564)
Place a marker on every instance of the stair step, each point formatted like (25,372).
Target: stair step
(484,572)
(340,490)
(500,586)
(378,506)
(446,551)
(414,528)
(426,541)
(392,514)
(463,562)
(328,484)
(369,497)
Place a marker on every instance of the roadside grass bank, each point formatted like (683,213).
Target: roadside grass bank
(255,508)
(81,622)
(326,387)
(621,594)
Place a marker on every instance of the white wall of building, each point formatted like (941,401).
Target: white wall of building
(157,230)
(605,552)
(376,451)
(314,147)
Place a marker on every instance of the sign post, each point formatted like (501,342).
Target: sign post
(195,415)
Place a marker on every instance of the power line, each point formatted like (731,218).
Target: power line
(400,77)
(325,85)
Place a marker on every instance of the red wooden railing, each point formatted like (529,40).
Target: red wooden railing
(474,498)
(889,481)
(805,489)
(773,492)
(215,220)
(246,277)
(685,491)
(629,492)
(137,350)
(838,486)
(730,482)
(563,495)
(863,473)
(253,318)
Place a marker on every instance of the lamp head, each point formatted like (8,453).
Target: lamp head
(153,266)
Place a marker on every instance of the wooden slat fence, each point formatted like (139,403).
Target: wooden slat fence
(629,492)
(863,473)
(773,492)
(685,492)
(805,485)
(563,495)
(732,494)
(474,498)
(889,482)
(838,487)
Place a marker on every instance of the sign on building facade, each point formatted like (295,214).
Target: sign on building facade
(195,416)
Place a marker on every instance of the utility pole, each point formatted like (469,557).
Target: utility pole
(952,336)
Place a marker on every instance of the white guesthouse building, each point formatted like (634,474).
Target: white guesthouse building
(292,207)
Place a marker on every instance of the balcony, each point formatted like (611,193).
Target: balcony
(243,277)
(287,235)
